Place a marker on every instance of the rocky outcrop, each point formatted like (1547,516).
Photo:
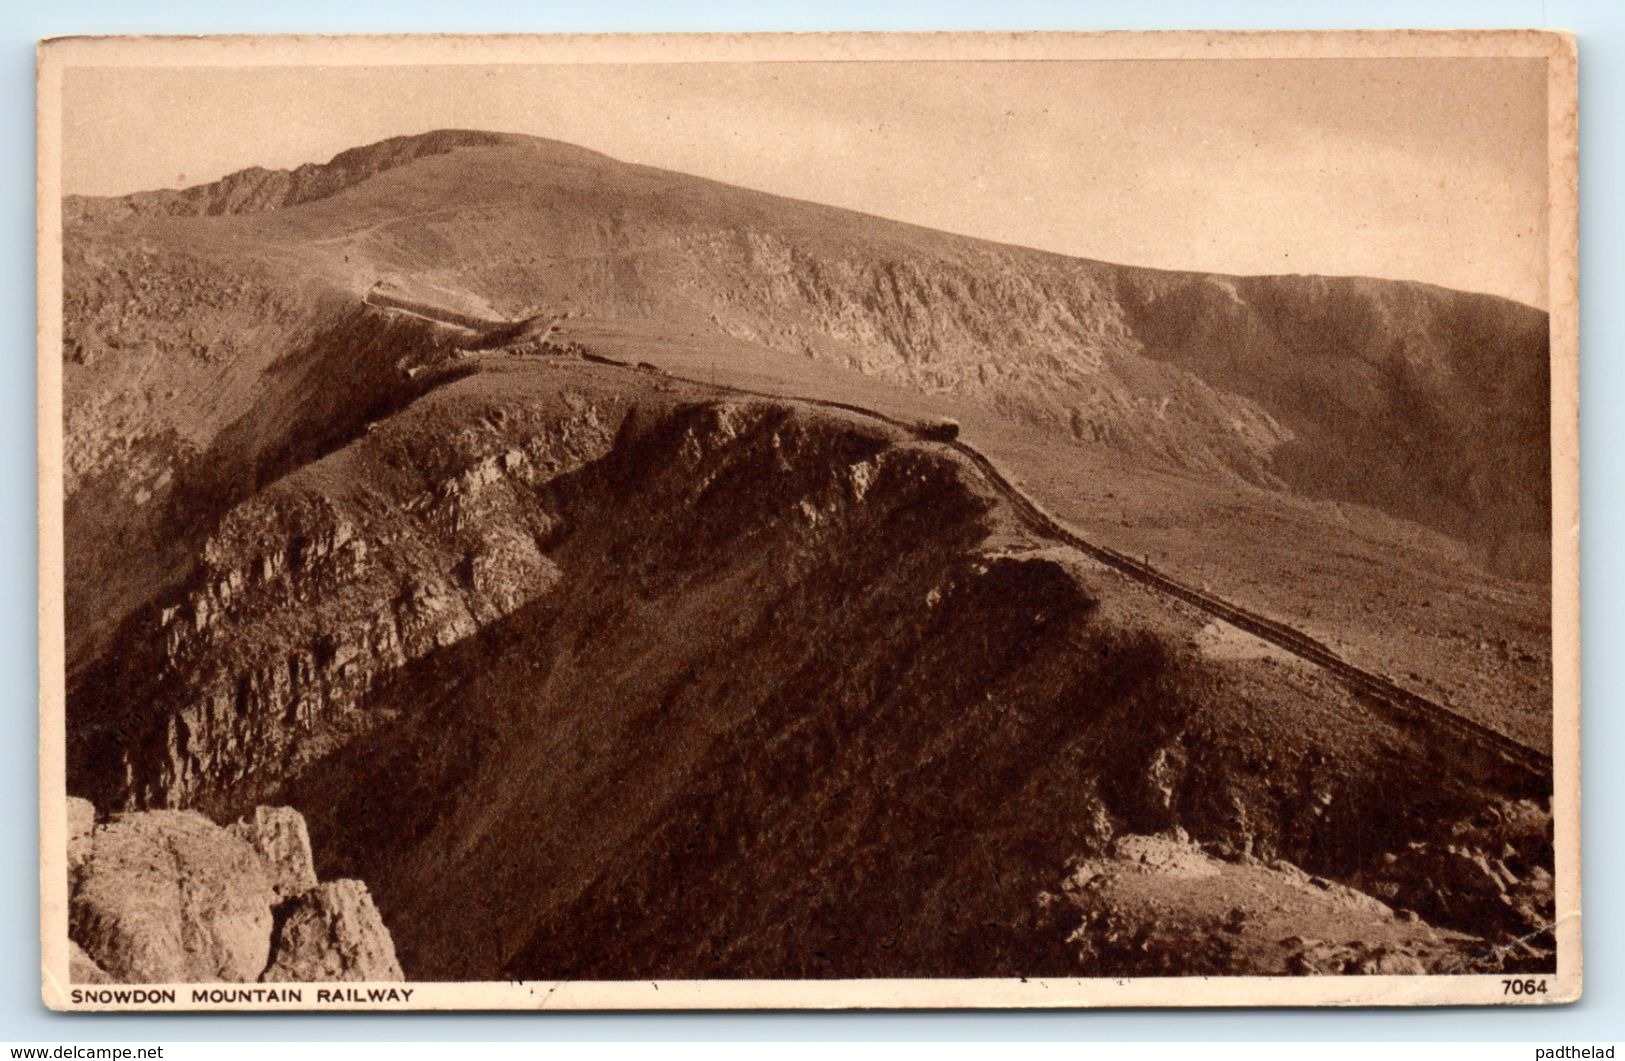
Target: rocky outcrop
(170,897)
(278,835)
(304,604)
(82,969)
(167,897)
(1490,872)
(333,932)
(1444,905)
(1150,905)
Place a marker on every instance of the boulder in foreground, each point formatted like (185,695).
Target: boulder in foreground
(333,932)
(170,897)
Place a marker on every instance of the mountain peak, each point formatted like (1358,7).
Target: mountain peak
(257,189)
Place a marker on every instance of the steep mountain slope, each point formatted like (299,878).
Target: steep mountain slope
(1420,401)
(661,685)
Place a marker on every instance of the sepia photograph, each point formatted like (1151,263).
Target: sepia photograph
(809,521)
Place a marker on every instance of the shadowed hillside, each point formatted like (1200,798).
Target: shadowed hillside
(658,686)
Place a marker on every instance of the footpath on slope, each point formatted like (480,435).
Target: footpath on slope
(1402,703)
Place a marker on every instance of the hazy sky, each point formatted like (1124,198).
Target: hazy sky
(1426,169)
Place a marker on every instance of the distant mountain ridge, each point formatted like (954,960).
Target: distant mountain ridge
(256,189)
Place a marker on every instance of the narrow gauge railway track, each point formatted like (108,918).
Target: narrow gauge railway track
(1535,766)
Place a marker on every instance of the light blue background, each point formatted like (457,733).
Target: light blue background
(1601,26)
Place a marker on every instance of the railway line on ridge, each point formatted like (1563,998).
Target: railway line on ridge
(1403,704)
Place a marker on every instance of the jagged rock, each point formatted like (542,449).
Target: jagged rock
(333,932)
(506,572)
(82,969)
(1459,885)
(81,821)
(278,835)
(1317,958)
(1161,905)
(168,896)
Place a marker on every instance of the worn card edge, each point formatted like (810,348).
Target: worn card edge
(1559,49)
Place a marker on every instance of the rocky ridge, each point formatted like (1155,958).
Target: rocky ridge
(256,189)
(305,602)
(1150,905)
(390,658)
